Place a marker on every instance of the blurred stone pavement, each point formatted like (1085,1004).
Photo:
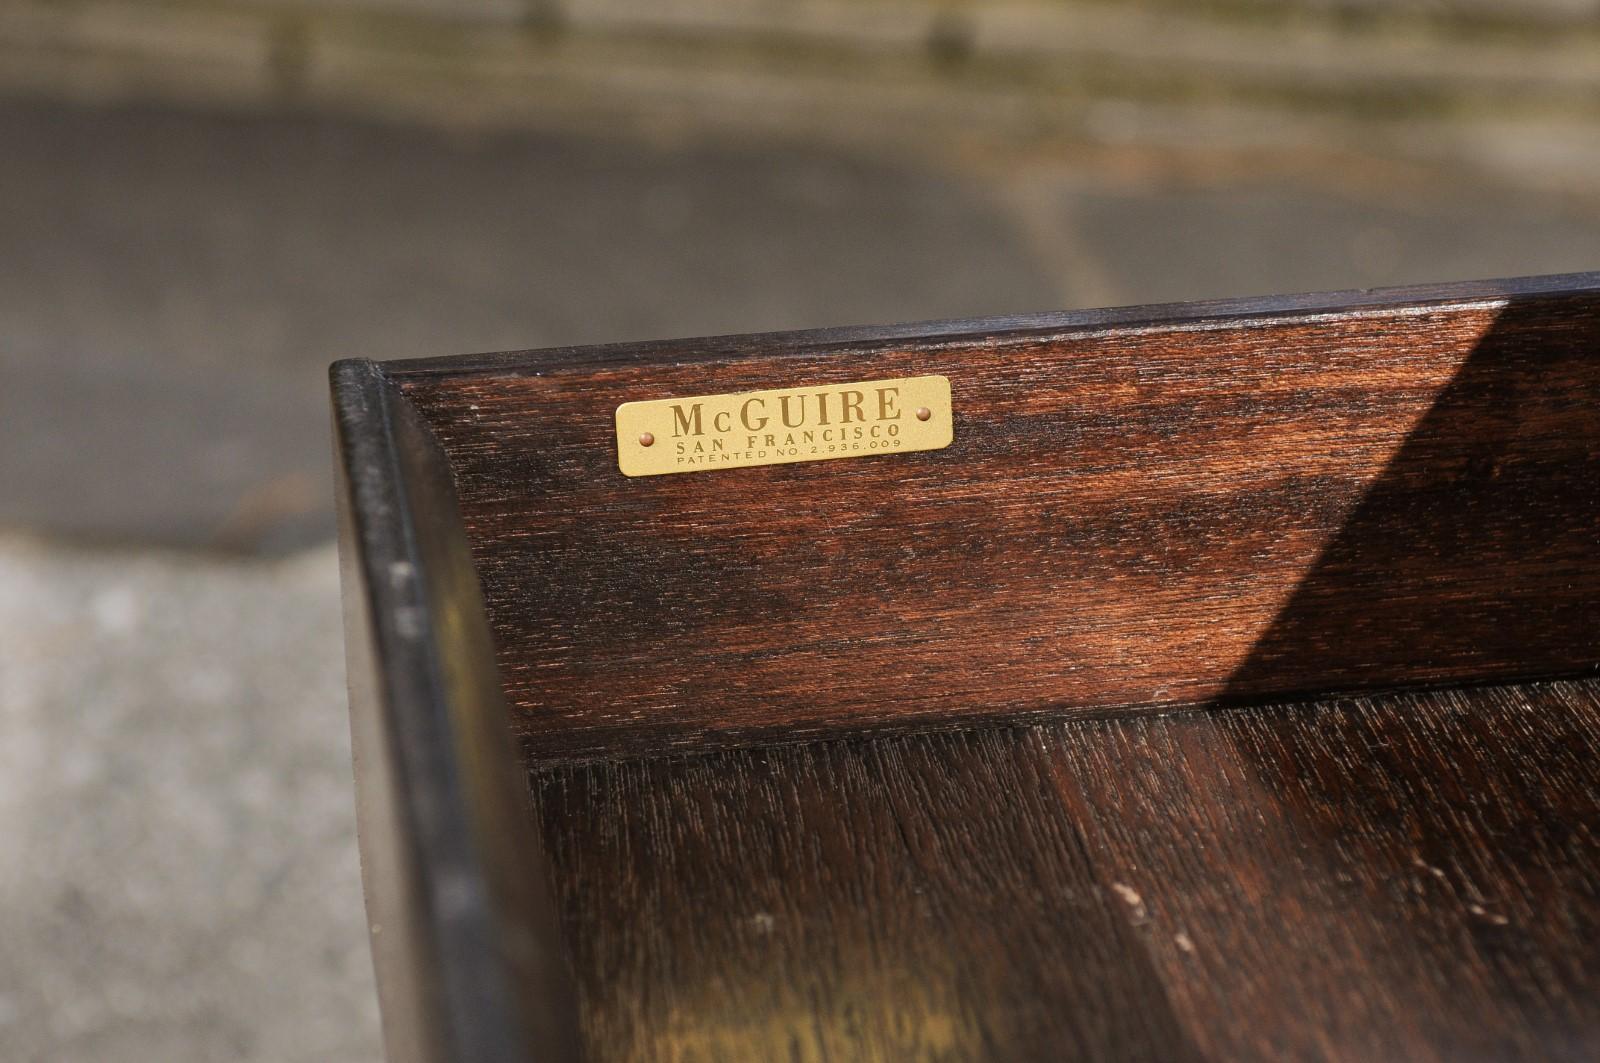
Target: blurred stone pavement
(174,766)
(180,880)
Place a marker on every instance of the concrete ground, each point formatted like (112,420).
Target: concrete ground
(174,765)
(174,777)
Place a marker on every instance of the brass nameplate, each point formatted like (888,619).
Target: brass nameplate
(858,420)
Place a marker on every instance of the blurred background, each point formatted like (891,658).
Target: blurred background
(202,203)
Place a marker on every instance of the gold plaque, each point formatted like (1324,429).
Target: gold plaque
(860,420)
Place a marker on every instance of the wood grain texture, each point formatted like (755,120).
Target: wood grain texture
(1407,876)
(1266,502)
(1399,491)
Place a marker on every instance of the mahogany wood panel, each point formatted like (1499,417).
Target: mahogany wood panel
(1268,501)
(1396,487)
(1406,876)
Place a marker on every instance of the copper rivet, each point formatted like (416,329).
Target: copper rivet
(646,439)
(923,413)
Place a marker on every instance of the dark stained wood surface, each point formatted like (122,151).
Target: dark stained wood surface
(464,941)
(1410,876)
(1203,504)
(752,702)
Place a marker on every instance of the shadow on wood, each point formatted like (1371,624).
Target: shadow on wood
(1479,543)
